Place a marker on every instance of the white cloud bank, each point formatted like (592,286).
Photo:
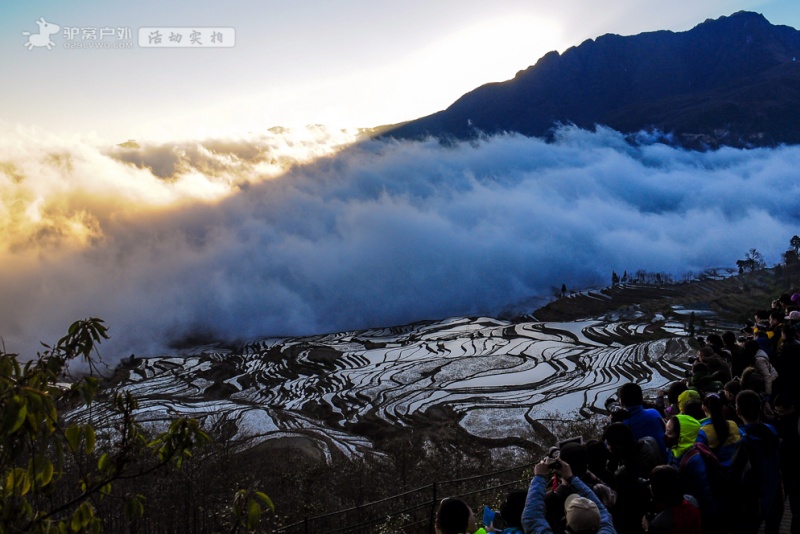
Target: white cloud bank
(201,237)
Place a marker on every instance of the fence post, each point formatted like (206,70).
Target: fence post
(433,510)
(305,525)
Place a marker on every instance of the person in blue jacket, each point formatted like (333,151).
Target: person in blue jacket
(755,470)
(585,512)
(643,421)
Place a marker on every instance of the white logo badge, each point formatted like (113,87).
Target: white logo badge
(46,29)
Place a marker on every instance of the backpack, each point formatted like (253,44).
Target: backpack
(718,478)
(772,372)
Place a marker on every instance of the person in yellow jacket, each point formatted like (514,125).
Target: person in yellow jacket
(717,433)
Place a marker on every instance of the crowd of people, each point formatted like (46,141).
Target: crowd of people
(716,452)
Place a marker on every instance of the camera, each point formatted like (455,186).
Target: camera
(615,409)
(552,458)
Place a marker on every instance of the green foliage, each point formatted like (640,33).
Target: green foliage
(248,507)
(38,449)
(393,523)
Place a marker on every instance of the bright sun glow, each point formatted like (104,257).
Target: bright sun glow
(59,193)
(426,80)
(491,51)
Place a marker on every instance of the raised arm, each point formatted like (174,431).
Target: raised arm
(533,515)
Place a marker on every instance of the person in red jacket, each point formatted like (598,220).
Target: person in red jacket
(674,513)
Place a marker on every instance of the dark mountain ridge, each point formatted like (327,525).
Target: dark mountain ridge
(730,81)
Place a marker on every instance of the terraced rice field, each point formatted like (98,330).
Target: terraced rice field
(494,378)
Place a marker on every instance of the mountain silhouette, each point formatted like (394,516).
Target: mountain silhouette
(730,81)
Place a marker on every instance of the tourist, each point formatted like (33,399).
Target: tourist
(674,513)
(680,436)
(643,421)
(511,513)
(728,399)
(454,516)
(738,360)
(584,512)
(716,432)
(686,397)
(718,366)
(715,342)
(762,365)
(787,365)
(787,423)
(634,460)
(671,407)
(755,471)
(576,455)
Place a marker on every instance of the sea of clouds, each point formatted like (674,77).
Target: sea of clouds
(301,232)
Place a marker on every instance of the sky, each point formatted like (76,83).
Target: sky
(346,64)
(242,205)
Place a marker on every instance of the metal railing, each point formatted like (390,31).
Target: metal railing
(413,511)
